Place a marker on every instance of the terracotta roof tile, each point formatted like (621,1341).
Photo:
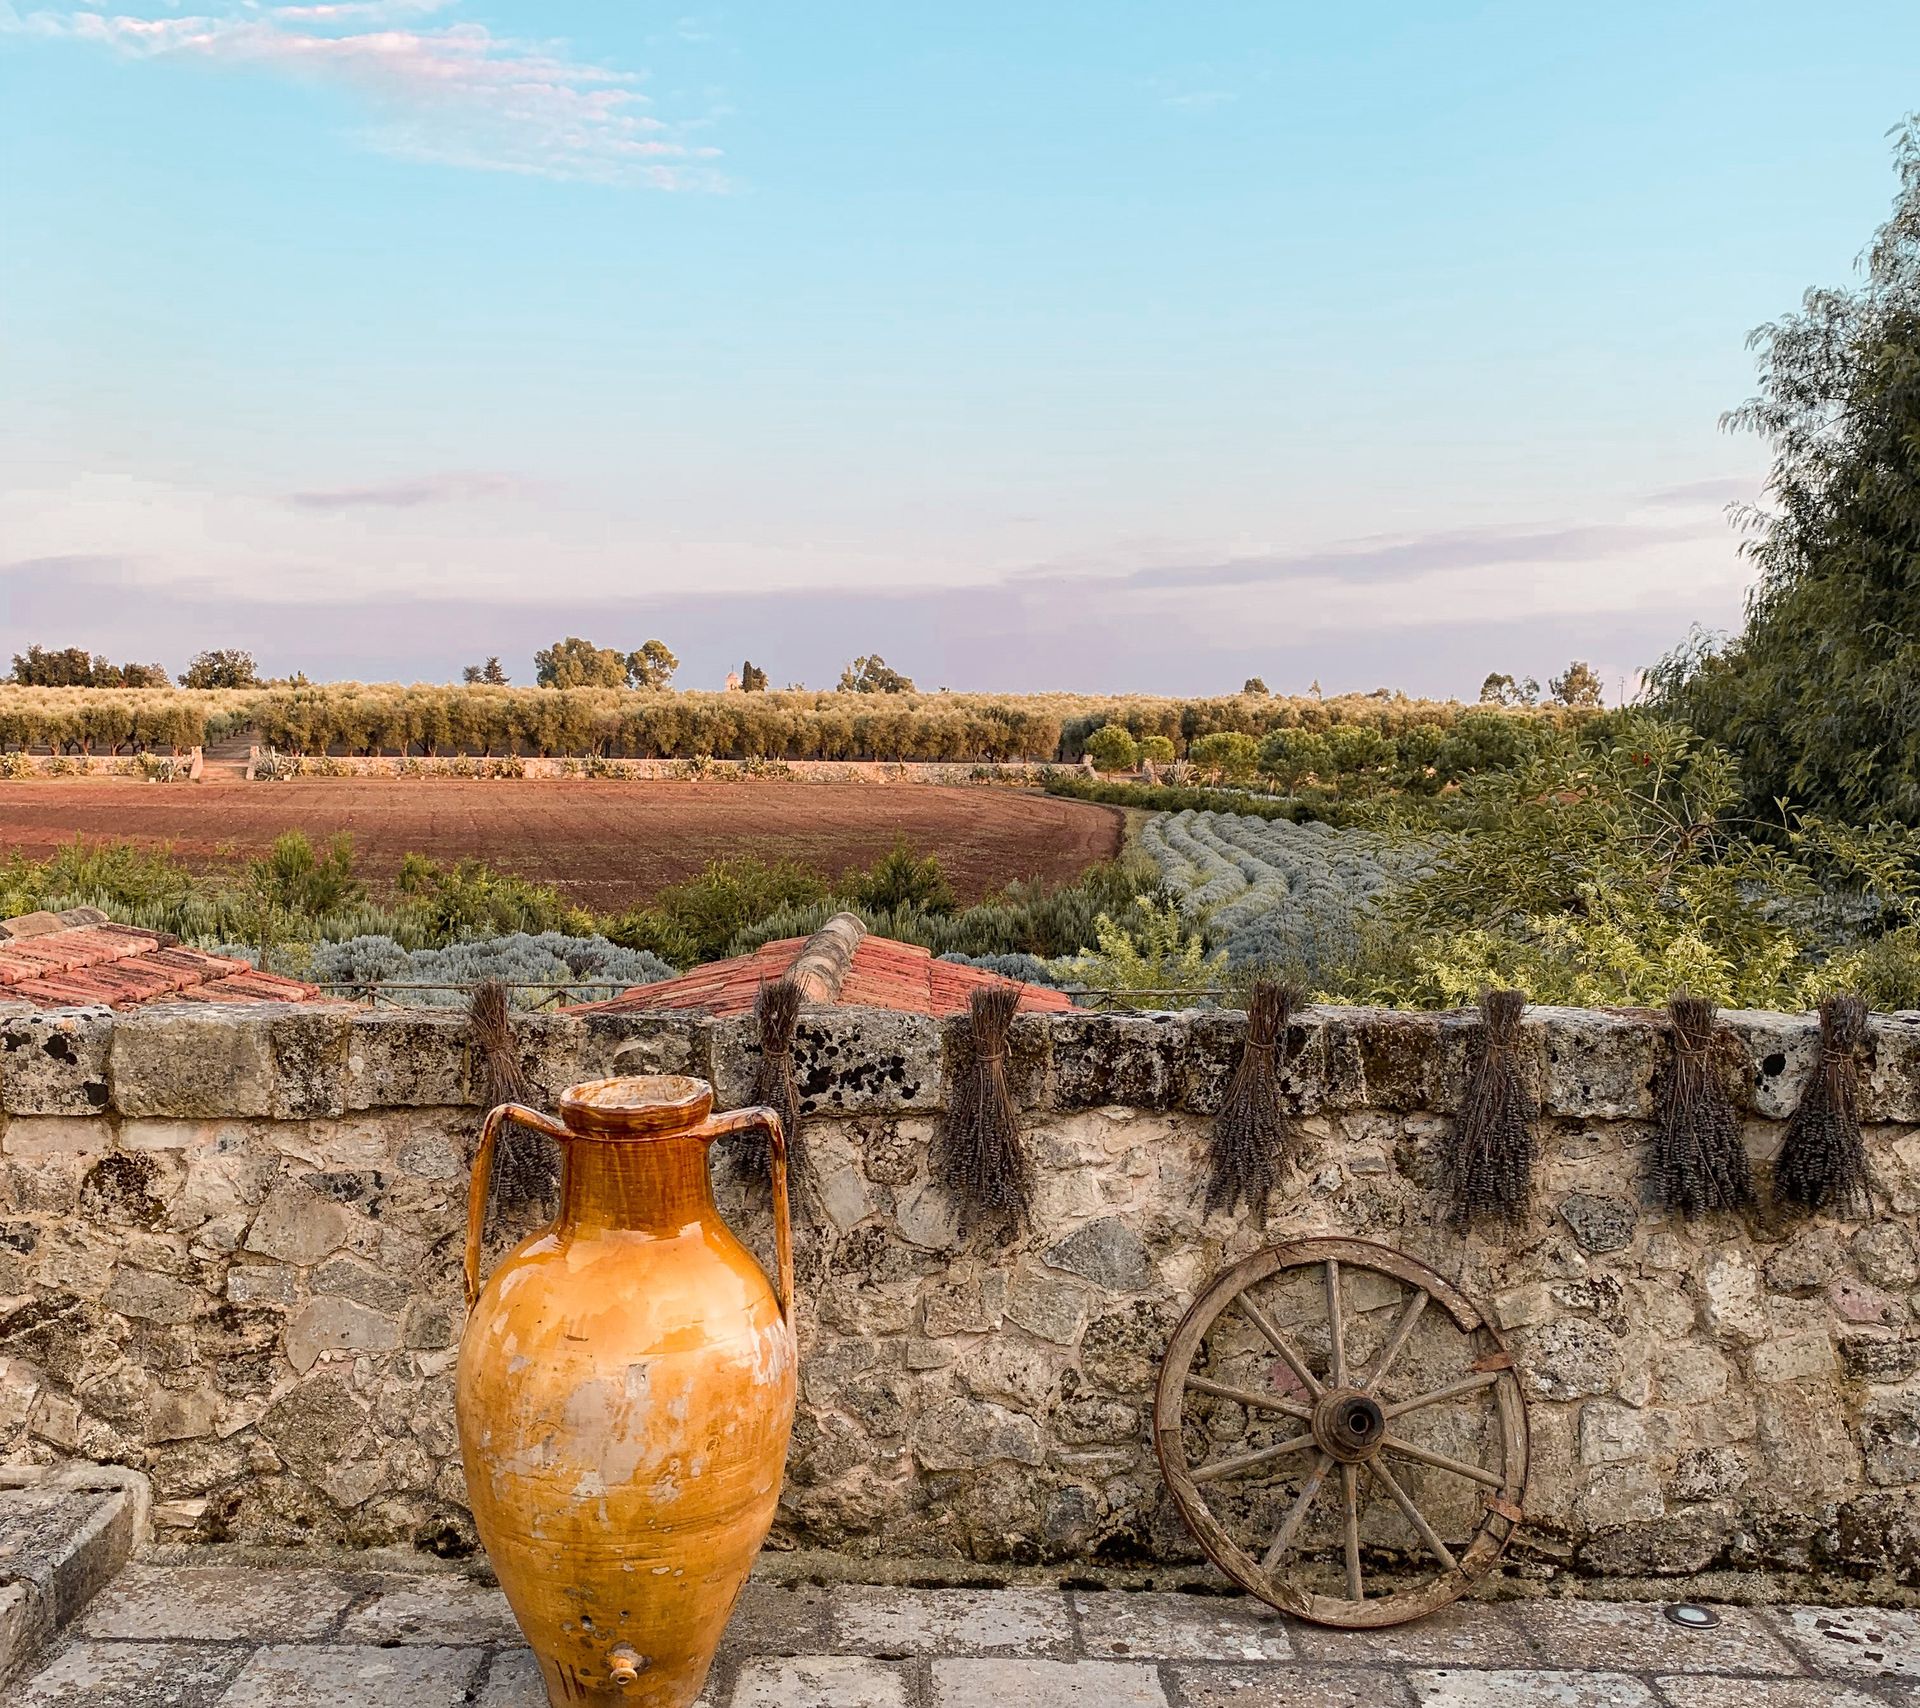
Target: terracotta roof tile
(883,973)
(122,966)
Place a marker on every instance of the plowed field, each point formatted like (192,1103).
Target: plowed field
(605,843)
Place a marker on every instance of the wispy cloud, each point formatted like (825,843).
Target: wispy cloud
(451,488)
(1406,557)
(436,88)
(1704,494)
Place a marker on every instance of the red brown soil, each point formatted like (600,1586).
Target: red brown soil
(606,844)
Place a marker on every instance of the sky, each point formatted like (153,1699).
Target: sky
(1110,347)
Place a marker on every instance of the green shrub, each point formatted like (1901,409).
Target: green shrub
(1111,748)
(902,878)
(1291,756)
(1150,951)
(1227,756)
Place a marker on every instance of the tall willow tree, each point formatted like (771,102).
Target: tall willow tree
(1820,693)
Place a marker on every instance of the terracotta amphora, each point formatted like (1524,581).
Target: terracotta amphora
(626,1392)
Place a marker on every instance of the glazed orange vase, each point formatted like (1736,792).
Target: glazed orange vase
(626,1391)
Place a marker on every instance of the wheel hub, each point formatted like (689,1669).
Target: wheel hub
(1348,1424)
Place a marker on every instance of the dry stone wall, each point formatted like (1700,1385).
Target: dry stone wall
(230,1253)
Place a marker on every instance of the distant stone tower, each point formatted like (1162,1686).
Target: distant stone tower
(733,681)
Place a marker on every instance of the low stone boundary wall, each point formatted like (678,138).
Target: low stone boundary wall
(230,1254)
(265,766)
(184,767)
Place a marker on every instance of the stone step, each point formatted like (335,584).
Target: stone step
(64,1531)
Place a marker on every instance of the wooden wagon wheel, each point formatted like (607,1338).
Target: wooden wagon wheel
(1323,1369)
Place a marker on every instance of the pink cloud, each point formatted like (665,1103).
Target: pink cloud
(450,488)
(453,92)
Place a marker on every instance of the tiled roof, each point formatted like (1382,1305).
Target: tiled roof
(872,972)
(81,959)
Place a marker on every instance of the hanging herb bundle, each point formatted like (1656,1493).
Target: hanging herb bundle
(978,1156)
(1490,1170)
(1699,1163)
(1822,1162)
(776,1010)
(1251,1137)
(525,1166)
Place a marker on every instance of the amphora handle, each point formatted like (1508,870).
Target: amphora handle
(762,1119)
(483,1177)
(714,1127)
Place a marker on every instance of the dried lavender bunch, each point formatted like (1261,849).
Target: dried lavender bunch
(776,1010)
(526,1168)
(1823,1162)
(1251,1136)
(978,1156)
(1699,1163)
(1490,1170)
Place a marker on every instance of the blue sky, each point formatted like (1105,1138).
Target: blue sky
(1097,346)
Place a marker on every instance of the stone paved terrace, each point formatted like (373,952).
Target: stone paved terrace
(166,1636)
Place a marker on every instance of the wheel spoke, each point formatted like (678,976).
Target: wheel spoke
(1440,1462)
(1350,1498)
(1376,1468)
(1296,1514)
(1452,1391)
(1279,1343)
(1394,1347)
(1242,1463)
(1336,1330)
(1242,1396)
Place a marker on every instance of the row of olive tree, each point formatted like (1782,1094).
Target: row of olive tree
(75,667)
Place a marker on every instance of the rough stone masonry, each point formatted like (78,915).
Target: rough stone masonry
(230,1256)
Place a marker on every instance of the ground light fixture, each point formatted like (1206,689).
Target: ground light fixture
(1692,1616)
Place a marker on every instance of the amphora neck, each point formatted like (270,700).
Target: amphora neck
(653,1185)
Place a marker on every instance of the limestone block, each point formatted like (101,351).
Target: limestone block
(1568,1359)
(1620,1494)
(337,1325)
(1811,1258)
(1612,1434)
(1794,1357)
(316,1424)
(260,1284)
(192,1060)
(1133,1059)
(151,1298)
(310,1048)
(663,1041)
(38,1136)
(1707,1473)
(1687,1373)
(1731,1295)
(845,1060)
(182,1414)
(297,1225)
(1600,1223)
(1890,1437)
(1890,1085)
(1108,1253)
(1783,1049)
(1886,1254)
(968,1435)
(1396,1055)
(1598,1066)
(1018,1372)
(55,1063)
(552,1048)
(406,1059)
(1048,1305)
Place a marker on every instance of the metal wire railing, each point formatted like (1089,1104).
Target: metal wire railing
(376,992)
